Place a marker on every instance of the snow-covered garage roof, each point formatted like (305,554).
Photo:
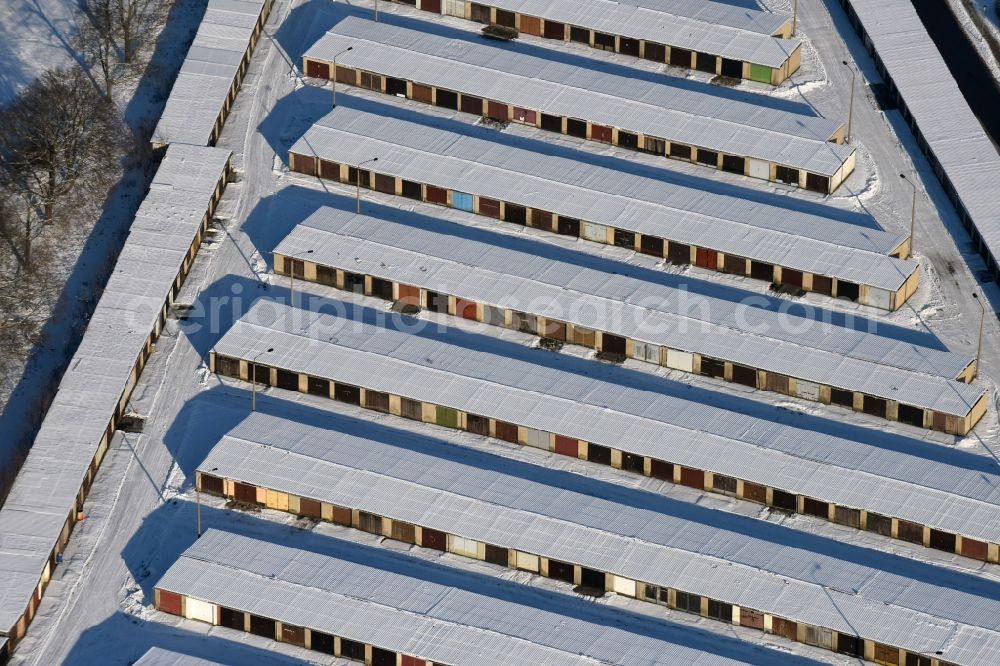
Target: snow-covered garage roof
(48,484)
(156,656)
(737,33)
(209,70)
(950,129)
(896,476)
(664,108)
(488,163)
(627,532)
(400,603)
(718,13)
(452,259)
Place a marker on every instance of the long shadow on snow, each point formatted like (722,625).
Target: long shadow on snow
(92,646)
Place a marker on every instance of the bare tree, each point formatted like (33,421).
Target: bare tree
(97,40)
(138,21)
(59,134)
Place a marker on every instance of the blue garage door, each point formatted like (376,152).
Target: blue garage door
(462,201)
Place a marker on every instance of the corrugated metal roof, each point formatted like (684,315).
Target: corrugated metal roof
(452,259)
(868,469)
(208,71)
(664,109)
(156,656)
(486,163)
(948,125)
(618,530)
(417,608)
(719,13)
(738,34)
(46,488)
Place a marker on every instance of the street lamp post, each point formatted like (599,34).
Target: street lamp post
(197,495)
(334,79)
(982,322)
(376,11)
(850,112)
(913,209)
(291,276)
(795,15)
(253,378)
(357,182)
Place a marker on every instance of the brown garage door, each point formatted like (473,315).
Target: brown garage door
(245,493)
(612,344)
(693,478)
(531,25)
(434,539)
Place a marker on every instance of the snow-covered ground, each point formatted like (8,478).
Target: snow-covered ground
(83,254)
(141,510)
(977,24)
(35,35)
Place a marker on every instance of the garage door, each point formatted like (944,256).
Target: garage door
(679,360)
(760,73)
(759,169)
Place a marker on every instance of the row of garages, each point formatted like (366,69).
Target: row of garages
(478,171)
(939,505)
(47,498)
(391,609)
(734,41)
(658,117)
(442,269)
(962,154)
(212,72)
(426,492)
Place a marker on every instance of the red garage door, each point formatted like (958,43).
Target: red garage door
(319,70)
(465,309)
(707,259)
(567,446)
(170,602)
(600,133)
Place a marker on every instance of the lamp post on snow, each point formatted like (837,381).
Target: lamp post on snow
(197,495)
(253,378)
(850,111)
(795,15)
(982,321)
(357,181)
(913,208)
(334,79)
(291,276)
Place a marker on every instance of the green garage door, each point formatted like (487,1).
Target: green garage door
(760,73)
(447,417)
